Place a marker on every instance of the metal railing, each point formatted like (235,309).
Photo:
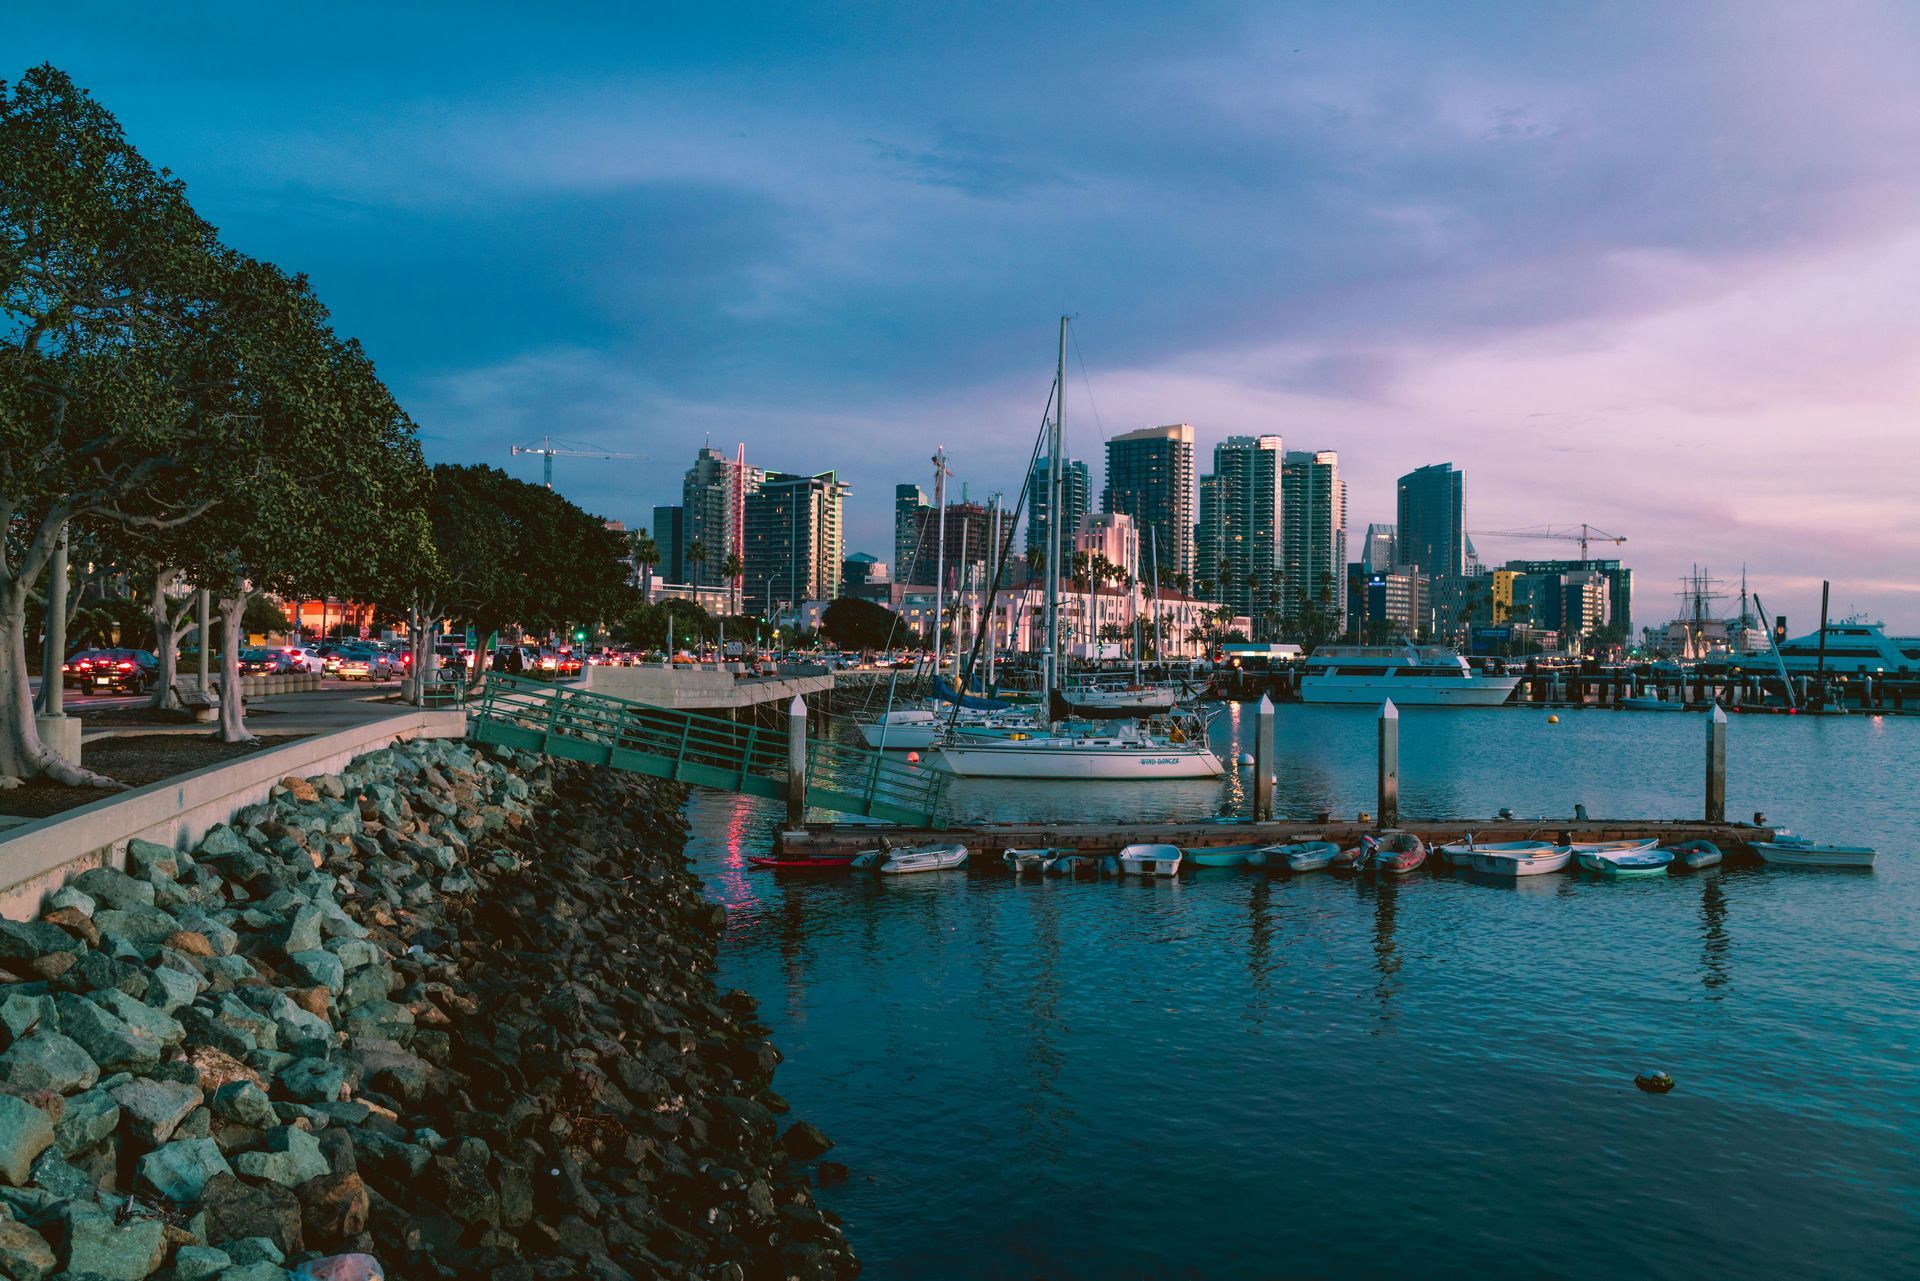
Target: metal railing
(707,751)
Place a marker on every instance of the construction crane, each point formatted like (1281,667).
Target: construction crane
(1582,534)
(548,453)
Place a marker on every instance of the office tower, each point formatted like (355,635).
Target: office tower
(1150,478)
(794,531)
(1237,540)
(908,502)
(670,536)
(969,535)
(714,496)
(1314,541)
(1431,533)
(1076,500)
(1377,550)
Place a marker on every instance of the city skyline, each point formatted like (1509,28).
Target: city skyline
(1678,314)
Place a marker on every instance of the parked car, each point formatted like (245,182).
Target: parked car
(74,672)
(266,662)
(303,658)
(120,671)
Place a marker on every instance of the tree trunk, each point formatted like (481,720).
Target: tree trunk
(22,754)
(233,715)
(166,642)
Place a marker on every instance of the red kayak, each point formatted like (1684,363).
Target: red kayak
(825,863)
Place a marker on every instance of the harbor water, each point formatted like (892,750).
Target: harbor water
(1244,1075)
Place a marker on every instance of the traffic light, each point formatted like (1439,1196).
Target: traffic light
(580,636)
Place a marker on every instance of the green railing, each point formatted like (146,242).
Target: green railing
(706,751)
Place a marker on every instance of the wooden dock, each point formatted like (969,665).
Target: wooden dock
(986,840)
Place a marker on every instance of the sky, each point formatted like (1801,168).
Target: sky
(1649,266)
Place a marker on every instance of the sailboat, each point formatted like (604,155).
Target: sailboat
(1144,741)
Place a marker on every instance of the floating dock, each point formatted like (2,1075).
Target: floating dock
(815,839)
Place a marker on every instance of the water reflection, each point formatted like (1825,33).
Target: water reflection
(1386,953)
(1716,948)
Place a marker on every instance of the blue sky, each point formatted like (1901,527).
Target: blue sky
(1645,265)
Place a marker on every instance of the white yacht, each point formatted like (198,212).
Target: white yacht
(1128,752)
(1412,676)
(1854,646)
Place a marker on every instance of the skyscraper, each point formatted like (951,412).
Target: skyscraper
(1076,500)
(1237,543)
(969,535)
(1377,549)
(714,495)
(1314,544)
(670,536)
(908,502)
(1431,528)
(794,549)
(1150,478)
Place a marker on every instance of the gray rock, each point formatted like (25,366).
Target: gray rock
(222,939)
(312,1081)
(244,1103)
(114,887)
(222,842)
(67,896)
(179,1170)
(20,1014)
(199,1263)
(24,1253)
(320,968)
(260,1270)
(146,928)
(114,1044)
(172,988)
(99,1243)
(25,1132)
(153,1109)
(26,940)
(145,858)
(48,1060)
(150,1019)
(89,1117)
(292,1157)
(354,954)
(51,1172)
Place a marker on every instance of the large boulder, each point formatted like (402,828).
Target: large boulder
(179,1170)
(113,1044)
(236,1211)
(103,1243)
(48,1060)
(25,1132)
(24,1253)
(153,1109)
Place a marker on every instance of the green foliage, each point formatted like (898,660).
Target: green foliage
(264,618)
(644,625)
(512,552)
(862,624)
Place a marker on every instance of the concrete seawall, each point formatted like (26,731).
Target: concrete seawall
(37,858)
(703,688)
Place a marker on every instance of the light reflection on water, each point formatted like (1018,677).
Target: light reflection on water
(1238,1075)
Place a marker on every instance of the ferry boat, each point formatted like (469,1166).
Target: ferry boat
(1853,646)
(1412,676)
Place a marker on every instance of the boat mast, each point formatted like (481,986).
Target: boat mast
(940,545)
(962,606)
(1056,437)
(993,560)
(1153,551)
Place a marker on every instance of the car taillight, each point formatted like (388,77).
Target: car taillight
(126,666)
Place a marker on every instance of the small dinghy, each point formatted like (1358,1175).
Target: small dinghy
(1520,858)
(1788,850)
(819,863)
(904,859)
(1694,855)
(1397,853)
(1219,855)
(1294,856)
(1634,862)
(1020,861)
(1071,863)
(1460,853)
(1150,860)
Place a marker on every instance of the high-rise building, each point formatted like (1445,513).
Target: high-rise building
(1377,550)
(714,496)
(1545,606)
(1430,532)
(1150,478)
(969,539)
(1076,500)
(1313,541)
(670,536)
(794,551)
(908,502)
(1237,539)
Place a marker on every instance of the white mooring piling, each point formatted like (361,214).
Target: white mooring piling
(1389,797)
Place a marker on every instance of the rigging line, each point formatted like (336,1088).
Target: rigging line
(1006,545)
(1073,336)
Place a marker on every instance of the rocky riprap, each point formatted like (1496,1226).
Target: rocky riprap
(448,1011)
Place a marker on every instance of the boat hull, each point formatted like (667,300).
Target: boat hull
(1813,855)
(1516,864)
(1036,759)
(1149,860)
(824,863)
(1409,691)
(1219,855)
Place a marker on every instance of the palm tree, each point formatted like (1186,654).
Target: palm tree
(646,554)
(696,557)
(1037,562)
(731,569)
(1183,580)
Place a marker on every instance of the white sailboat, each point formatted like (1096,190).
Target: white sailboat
(1136,749)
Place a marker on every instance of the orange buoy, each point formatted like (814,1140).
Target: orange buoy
(913,758)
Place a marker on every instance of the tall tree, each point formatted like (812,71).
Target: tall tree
(731,568)
(106,277)
(645,552)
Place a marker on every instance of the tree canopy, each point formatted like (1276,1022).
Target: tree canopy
(851,623)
